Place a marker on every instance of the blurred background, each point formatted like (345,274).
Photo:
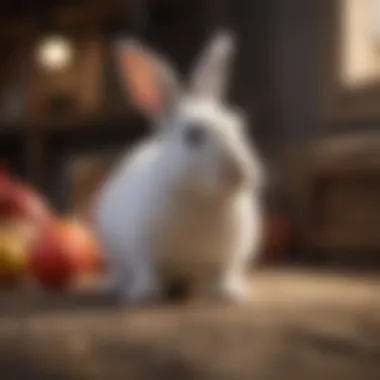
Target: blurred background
(307,74)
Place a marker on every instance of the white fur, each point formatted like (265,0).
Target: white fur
(169,211)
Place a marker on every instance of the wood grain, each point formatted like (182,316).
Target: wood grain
(300,326)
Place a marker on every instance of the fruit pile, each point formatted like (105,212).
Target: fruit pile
(37,244)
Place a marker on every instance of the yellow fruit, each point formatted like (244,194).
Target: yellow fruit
(13,256)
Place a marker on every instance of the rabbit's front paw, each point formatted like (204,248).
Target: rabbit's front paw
(142,293)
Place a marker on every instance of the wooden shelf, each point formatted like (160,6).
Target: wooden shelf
(34,147)
(52,126)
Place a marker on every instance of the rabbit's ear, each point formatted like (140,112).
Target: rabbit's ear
(211,73)
(150,81)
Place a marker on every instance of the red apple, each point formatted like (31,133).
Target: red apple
(84,247)
(66,251)
(50,262)
(22,208)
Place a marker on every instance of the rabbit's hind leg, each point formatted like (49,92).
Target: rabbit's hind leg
(233,288)
(231,283)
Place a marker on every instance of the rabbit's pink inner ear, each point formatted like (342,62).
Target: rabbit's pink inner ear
(141,80)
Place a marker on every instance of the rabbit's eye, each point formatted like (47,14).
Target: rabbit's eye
(194,135)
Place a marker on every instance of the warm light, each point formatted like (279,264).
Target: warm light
(376,18)
(360,55)
(55,53)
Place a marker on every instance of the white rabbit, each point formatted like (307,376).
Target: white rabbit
(186,202)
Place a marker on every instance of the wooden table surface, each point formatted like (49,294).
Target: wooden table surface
(301,325)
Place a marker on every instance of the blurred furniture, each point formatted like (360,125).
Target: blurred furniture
(278,232)
(336,189)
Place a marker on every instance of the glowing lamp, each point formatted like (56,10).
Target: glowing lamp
(55,53)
